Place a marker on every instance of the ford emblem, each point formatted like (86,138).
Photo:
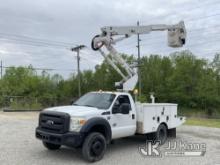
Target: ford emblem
(50,122)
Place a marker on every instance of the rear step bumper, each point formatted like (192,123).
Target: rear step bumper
(72,139)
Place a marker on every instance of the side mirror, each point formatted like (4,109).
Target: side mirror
(115,110)
(125,108)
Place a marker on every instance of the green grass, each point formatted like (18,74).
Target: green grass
(25,106)
(199,113)
(203,122)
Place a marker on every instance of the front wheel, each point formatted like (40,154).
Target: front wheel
(94,147)
(51,146)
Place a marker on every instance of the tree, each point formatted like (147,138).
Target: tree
(216,66)
(181,78)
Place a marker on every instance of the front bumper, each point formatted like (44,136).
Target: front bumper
(72,139)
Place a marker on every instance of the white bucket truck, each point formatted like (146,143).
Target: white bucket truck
(97,118)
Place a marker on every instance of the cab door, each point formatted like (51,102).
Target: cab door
(122,124)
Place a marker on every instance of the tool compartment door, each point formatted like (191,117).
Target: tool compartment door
(146,121)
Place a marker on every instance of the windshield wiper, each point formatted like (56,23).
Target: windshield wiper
(88,105)
(82,105)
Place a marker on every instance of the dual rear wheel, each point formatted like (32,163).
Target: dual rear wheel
(160,135)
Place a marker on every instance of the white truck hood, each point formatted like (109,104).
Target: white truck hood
(77,111)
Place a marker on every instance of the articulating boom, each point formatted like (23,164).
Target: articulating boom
(176,38)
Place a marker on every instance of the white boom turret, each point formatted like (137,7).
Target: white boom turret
(176,38)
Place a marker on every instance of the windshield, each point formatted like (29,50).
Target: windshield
(98,100)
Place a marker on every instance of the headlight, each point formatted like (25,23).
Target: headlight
(76,123)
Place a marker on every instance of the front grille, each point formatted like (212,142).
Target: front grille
(54,122)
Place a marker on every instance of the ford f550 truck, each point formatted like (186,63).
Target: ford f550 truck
(97,118)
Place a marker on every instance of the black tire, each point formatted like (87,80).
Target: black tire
(94,147)
(51,146)
(161,134)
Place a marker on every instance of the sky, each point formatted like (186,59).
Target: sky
(42,32)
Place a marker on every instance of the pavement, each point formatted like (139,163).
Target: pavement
(18,146)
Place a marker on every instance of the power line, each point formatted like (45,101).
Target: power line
(36,39)
(42,43)
(37,68)
(37,45)
(193,8)
(33,43)
(30,41)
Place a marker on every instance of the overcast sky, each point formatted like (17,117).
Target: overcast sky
(71,22)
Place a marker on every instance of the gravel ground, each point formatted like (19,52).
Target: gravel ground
(18,146)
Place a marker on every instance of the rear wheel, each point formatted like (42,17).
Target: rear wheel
(94,147)
(51,146)
(161,134)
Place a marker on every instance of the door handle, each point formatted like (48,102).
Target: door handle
(133,116)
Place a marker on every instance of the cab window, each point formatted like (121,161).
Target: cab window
(120,100)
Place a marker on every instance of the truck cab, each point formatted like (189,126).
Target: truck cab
(118,108)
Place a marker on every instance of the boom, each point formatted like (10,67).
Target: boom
(176,38)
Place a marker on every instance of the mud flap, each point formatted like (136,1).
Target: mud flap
(172,132)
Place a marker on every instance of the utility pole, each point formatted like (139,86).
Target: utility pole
(77,49)
(139,62)
(1,69)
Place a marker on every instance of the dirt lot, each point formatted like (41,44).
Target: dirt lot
(20,147)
